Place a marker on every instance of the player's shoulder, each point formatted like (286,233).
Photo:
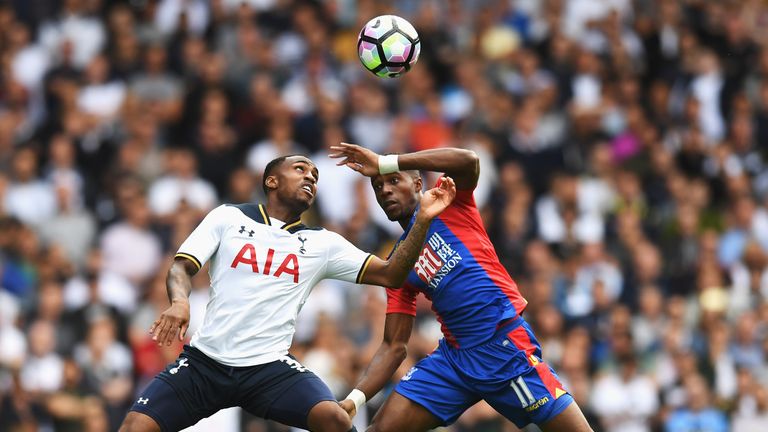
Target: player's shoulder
(251,210)
(332,239)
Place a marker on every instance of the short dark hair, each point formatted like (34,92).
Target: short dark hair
(271,166)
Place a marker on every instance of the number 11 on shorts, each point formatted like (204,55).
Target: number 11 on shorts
(522,391)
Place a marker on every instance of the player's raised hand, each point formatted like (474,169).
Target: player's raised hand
(437,199)
(360,159)
(173,323)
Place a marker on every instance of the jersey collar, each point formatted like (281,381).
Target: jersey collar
(286,226)
(258,212)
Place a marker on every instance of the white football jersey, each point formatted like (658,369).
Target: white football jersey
(261,273)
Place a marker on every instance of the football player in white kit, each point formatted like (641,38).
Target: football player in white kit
(263,265)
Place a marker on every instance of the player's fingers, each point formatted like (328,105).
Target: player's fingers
(355,166)
(352,149)
(338,152)
(342,149)
(162,333)
(154,326)
(344,162)
(183,332)
(156,329)
(173,334)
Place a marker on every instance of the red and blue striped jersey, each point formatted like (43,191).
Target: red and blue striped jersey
(459,272)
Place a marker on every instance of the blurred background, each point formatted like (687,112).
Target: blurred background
(623,148)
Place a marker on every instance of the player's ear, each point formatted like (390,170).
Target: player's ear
(271,182)
(418,184)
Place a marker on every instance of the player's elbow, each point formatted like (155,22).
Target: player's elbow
(397,352)
(393,277)
(400,353)
(472,157)
(473,163)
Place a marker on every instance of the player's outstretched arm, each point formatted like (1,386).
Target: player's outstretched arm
(389,356)
(462,165)
(174,321)
(392,272)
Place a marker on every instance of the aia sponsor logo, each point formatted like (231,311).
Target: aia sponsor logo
(265,263)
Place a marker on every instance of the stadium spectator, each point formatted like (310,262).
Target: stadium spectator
(180,187)
(698,414)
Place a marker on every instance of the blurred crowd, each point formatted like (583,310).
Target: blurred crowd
(624,152)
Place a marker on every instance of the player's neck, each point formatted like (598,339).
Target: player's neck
(405,221)
(282,211)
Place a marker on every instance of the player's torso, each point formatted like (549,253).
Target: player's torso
(261,275)
(255,258)
(459,271)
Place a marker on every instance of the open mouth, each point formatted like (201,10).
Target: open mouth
(308,189)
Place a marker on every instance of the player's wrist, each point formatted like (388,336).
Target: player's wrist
(388,164)
(180,301)
(423,218)
(357,397)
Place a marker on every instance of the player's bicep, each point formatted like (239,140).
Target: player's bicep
(377,272)
(185,264)
(345,261)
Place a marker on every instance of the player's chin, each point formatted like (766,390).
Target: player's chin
(394,215)
(305,199)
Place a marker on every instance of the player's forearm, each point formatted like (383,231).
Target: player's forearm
(385,362)
(402,260)
(178,283)
(455,162)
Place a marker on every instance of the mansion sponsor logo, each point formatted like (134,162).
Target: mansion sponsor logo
(436,261)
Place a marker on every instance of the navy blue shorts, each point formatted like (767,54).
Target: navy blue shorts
(195,387)
(507,372)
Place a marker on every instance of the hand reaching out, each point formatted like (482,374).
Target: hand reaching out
(173,322)
(437,199)
(360,159)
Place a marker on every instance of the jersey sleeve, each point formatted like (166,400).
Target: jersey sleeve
(345,261)
(205,239)
(401,300)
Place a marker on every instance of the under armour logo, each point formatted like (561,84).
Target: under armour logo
(242,230)
(143,401)
(302,240)
(182,363)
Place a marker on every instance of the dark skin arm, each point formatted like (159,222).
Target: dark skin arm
(174,321)
(392,272)
(389,356)
(460,164)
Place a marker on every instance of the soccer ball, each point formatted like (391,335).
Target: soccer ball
(388,46)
